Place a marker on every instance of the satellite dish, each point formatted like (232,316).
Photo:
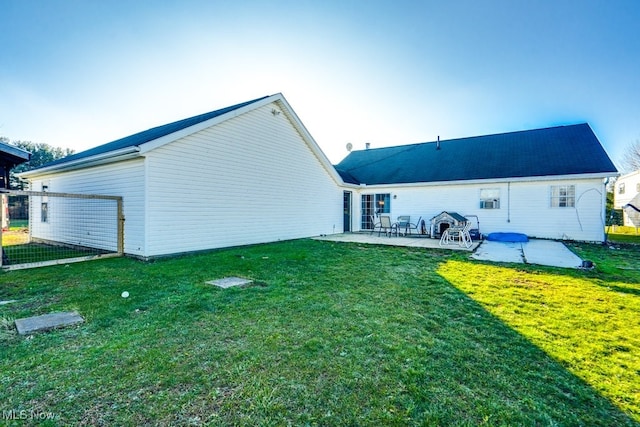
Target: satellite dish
(349,146)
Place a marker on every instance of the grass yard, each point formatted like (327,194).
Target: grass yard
(619,234)
(17,248)
(330,334)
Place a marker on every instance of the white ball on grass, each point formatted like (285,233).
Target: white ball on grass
(125,294)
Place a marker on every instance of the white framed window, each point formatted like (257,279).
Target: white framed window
(638,187)
(563,196)
(44,205)
(621,188)
(383,203)
(489,198)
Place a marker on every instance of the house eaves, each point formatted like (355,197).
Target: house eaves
(490,180)
(100,159)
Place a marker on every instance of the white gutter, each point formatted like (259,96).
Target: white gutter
(98,159)
(491,180)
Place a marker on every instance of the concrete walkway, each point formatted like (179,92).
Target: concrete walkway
(542,252)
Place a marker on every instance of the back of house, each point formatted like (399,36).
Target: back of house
(546,183)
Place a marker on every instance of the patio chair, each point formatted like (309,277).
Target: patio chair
(386,226)
(457,234)
(404,223)
(373,223)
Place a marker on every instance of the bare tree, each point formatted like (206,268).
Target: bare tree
(631,158)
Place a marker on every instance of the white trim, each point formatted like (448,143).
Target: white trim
(490,180)
(99,159)
(628,175)
(304,133)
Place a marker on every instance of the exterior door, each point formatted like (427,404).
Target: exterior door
(346,208)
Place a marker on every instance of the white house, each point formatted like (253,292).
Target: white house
(545,183)
(246,174)
(627,193)
(251,173)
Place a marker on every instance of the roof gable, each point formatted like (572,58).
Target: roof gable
(137,144)
(149,135)
(562,150)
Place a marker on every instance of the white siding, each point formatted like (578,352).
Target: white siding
(524,207)
(124,179)
(89,223)
(631,184)
(250,179)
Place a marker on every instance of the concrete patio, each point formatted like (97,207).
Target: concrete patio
(535,251)
(414,241)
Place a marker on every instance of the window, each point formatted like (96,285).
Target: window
(638,187)
(563,196)
(383,203)
(44,205)
(489,198)
(44,212)
(621,188)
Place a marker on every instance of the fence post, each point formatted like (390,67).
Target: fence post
(120,227)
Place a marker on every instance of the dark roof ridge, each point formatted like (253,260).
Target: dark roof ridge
(489,135)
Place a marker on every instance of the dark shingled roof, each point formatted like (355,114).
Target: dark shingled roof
(150,134)
(562,150)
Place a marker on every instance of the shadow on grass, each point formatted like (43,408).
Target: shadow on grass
(622,289)
(583,323)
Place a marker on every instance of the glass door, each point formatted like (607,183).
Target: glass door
(346,212)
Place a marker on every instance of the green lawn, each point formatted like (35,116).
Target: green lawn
(330,334)
(619,234)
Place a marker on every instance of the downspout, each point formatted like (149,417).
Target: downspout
(604,209)
(509,201)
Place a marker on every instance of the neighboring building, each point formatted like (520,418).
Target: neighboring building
(546,183)
(246,174)
(627,188)
(10,156)
(251,173)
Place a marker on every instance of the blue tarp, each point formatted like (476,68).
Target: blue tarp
(507,237)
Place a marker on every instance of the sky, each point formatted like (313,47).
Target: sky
(81,73)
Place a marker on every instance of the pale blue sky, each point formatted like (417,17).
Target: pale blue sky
(79,73)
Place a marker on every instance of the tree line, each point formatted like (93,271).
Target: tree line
(41,154)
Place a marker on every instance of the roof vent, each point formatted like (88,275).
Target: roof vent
(367,145)
(438,143)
